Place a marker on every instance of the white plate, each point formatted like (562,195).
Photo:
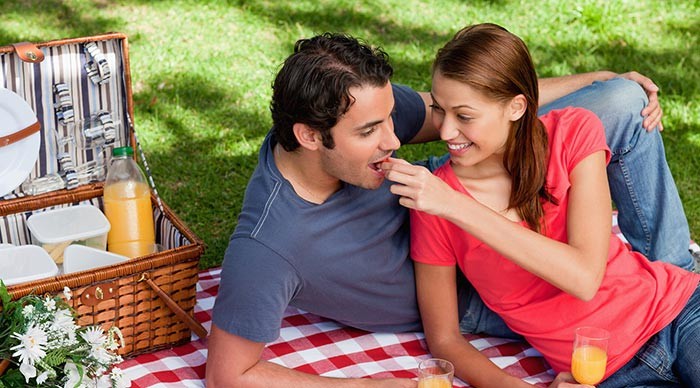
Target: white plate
(17,159)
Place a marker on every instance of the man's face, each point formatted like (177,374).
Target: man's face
(364,137)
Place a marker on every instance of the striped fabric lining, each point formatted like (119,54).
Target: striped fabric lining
(65,64)
(34,83)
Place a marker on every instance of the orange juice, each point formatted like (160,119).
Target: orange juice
(434,382)
(588,364)
(127,206)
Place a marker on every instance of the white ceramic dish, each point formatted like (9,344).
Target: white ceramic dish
(25,263)
(81,258)
(17,159)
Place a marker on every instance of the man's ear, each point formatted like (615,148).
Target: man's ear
(306,136)
(517,107)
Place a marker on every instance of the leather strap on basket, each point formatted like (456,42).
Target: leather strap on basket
(19,135)
(195,326)
(28,52)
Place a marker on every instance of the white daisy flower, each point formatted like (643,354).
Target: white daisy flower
(31,346)
(50,303)
(94,336)
(42,377)
(119,379)
(67,293)
(101,354)
(28,310)
(63,321)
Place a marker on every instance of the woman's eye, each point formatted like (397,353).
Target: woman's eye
(463,117)
(436,108)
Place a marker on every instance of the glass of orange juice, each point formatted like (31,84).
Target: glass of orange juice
(435,373)
(590,355)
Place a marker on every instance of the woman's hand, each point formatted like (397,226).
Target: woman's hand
(417,187)
(566,380)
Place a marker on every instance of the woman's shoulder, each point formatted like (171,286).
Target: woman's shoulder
(568,122)
(570,115)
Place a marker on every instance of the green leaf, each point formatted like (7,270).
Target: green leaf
(4,295)
(56,357)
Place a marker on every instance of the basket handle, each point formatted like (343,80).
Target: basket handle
(195,326)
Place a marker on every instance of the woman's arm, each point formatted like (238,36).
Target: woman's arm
(576,267)
(437,300)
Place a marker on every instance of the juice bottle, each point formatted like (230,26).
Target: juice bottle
(127,204)
(588,364)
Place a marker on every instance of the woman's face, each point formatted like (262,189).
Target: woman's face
(474,127)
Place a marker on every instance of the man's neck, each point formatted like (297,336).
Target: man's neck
(303,170)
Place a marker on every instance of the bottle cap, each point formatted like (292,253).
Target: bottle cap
(123,151)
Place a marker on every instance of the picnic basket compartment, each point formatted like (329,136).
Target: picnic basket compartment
(151,298)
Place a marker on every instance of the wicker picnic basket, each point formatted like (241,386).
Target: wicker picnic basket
(151,298)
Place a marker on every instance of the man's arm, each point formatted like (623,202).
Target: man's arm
(556,87)
(234,361)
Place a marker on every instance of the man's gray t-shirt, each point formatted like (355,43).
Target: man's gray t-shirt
(345,259)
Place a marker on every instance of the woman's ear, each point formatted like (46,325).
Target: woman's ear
(306,136)
(517,107)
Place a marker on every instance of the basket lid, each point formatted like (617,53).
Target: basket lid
(81,96)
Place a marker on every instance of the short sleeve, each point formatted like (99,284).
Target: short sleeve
(429,240)
(255,289)
(583,135)
(409,113)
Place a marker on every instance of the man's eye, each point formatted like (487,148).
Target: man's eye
(368,132)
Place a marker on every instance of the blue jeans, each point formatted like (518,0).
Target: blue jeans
(669,358)
(650,216)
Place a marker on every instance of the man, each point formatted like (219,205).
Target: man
(320,230)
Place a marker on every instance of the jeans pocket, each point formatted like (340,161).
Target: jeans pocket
(655,355)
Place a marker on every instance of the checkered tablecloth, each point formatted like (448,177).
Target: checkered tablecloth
(311,344)
(315,345)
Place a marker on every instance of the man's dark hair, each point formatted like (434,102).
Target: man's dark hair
(313,85)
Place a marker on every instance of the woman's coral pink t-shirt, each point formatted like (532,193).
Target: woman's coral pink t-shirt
(637,298)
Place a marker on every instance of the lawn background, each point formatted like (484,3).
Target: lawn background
(202,70)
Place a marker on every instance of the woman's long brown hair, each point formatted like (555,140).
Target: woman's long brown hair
(497,63)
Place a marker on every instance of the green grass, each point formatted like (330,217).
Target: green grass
(202,71)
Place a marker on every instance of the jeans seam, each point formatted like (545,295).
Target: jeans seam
(661,372)
(635,202)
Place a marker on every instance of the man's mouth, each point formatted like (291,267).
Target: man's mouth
(377,166)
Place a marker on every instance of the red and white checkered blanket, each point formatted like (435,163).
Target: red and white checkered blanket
(312,344)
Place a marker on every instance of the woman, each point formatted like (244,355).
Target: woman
(523,208)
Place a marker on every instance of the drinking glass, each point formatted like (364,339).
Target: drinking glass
(435,373)
(590,355)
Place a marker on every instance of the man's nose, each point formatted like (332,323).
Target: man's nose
(389,140)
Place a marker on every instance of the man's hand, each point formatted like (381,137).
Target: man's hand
(566,380)
(393,383)
(652,112)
